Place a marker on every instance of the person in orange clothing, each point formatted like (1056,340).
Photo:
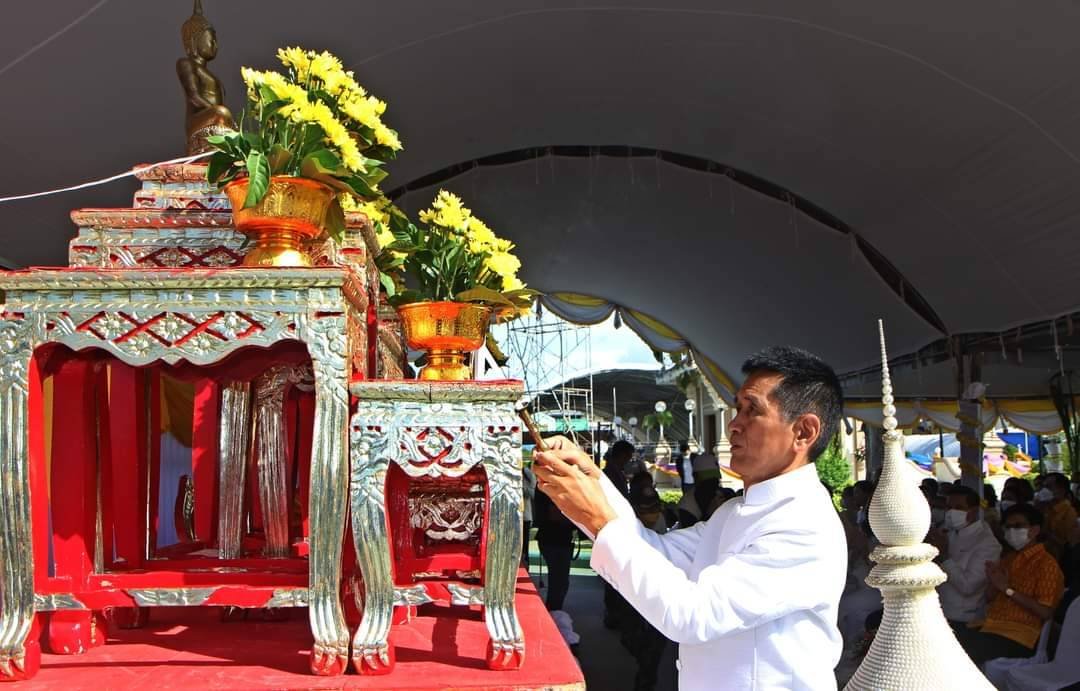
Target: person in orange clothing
(1023,590)
(1060,514)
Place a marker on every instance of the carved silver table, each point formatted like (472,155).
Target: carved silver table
(435,435)
(197,316)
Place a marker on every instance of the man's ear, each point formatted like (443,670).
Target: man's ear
(807,430)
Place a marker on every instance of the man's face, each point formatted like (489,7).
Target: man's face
(762,442)
(959,503)
(1055,485)
(1018,520)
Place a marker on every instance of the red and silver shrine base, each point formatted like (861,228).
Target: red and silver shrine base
(190,648)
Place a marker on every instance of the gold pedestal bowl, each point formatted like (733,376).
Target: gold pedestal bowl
(292,211)
(447,332)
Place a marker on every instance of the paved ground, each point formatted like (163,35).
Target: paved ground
(606,663)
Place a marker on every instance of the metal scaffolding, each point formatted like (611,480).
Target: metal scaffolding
(541,349)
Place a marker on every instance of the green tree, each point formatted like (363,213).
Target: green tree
(833,467)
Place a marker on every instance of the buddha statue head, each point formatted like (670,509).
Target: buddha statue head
(198,35)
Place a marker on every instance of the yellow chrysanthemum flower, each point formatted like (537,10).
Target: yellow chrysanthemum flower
(325,65)
(387,137)
(503,264)
(296,58)
(512,283)
(481,238)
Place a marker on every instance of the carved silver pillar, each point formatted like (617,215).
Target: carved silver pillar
(367,493)
(328,343)
(16,555)
(437,431)
(914,648)
(235,444)
(271,466)
(502,462)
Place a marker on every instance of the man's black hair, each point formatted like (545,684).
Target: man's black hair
(1054,480)
(971,497)
(809,385)
(620,448)
(1033,515)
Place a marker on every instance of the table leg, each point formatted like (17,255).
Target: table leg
(328,344)
(371,651)
(502,462)
(19,656)
(235,444)
(270,438)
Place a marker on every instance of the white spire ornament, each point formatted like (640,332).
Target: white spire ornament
(914,648)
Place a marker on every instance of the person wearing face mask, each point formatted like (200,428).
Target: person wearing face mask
(965,548)
(1022,591)
(931,490)
(1060,514)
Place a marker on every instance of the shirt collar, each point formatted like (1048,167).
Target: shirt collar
(782,486)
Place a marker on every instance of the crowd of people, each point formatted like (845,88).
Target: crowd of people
(1012,564)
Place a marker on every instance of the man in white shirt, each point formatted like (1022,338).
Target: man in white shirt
(750,595)
(965,545)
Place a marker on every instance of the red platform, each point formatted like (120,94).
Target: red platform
(189,647)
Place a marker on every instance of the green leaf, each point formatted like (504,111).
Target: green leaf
(313,134)
(279,158)
(481,294)
(388,285)
(335,220)
(322,162)
(258,178)
(401,246)
(218,166)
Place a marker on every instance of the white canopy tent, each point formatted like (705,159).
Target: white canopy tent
(939,137)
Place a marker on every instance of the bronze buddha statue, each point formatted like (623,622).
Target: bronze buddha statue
(203,92)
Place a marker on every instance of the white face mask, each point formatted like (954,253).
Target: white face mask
(1017,537)
(1005,504)
(955,519)
(1075,489)
(1044,495)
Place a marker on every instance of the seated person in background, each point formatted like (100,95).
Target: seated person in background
(991,511)
(1059,512)
(640,637)
(932,491)
(1023,590)
(966,544)
(722,495)
(697,497)
(1019,490)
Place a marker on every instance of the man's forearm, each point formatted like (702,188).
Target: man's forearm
(1032,605)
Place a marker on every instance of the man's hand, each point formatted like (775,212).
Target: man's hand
(567,475)
(940,539)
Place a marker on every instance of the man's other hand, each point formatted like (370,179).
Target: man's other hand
(567,475)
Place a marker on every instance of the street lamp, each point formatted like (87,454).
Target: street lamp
(660,407)
(690,405)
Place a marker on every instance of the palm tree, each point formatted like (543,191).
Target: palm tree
(660,420)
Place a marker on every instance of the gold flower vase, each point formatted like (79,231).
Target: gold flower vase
(447,332)
(292,211)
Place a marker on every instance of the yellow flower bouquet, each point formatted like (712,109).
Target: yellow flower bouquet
(314,121)
(451,255)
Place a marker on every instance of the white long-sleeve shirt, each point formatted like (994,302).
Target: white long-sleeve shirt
(963,596)
(751,595)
